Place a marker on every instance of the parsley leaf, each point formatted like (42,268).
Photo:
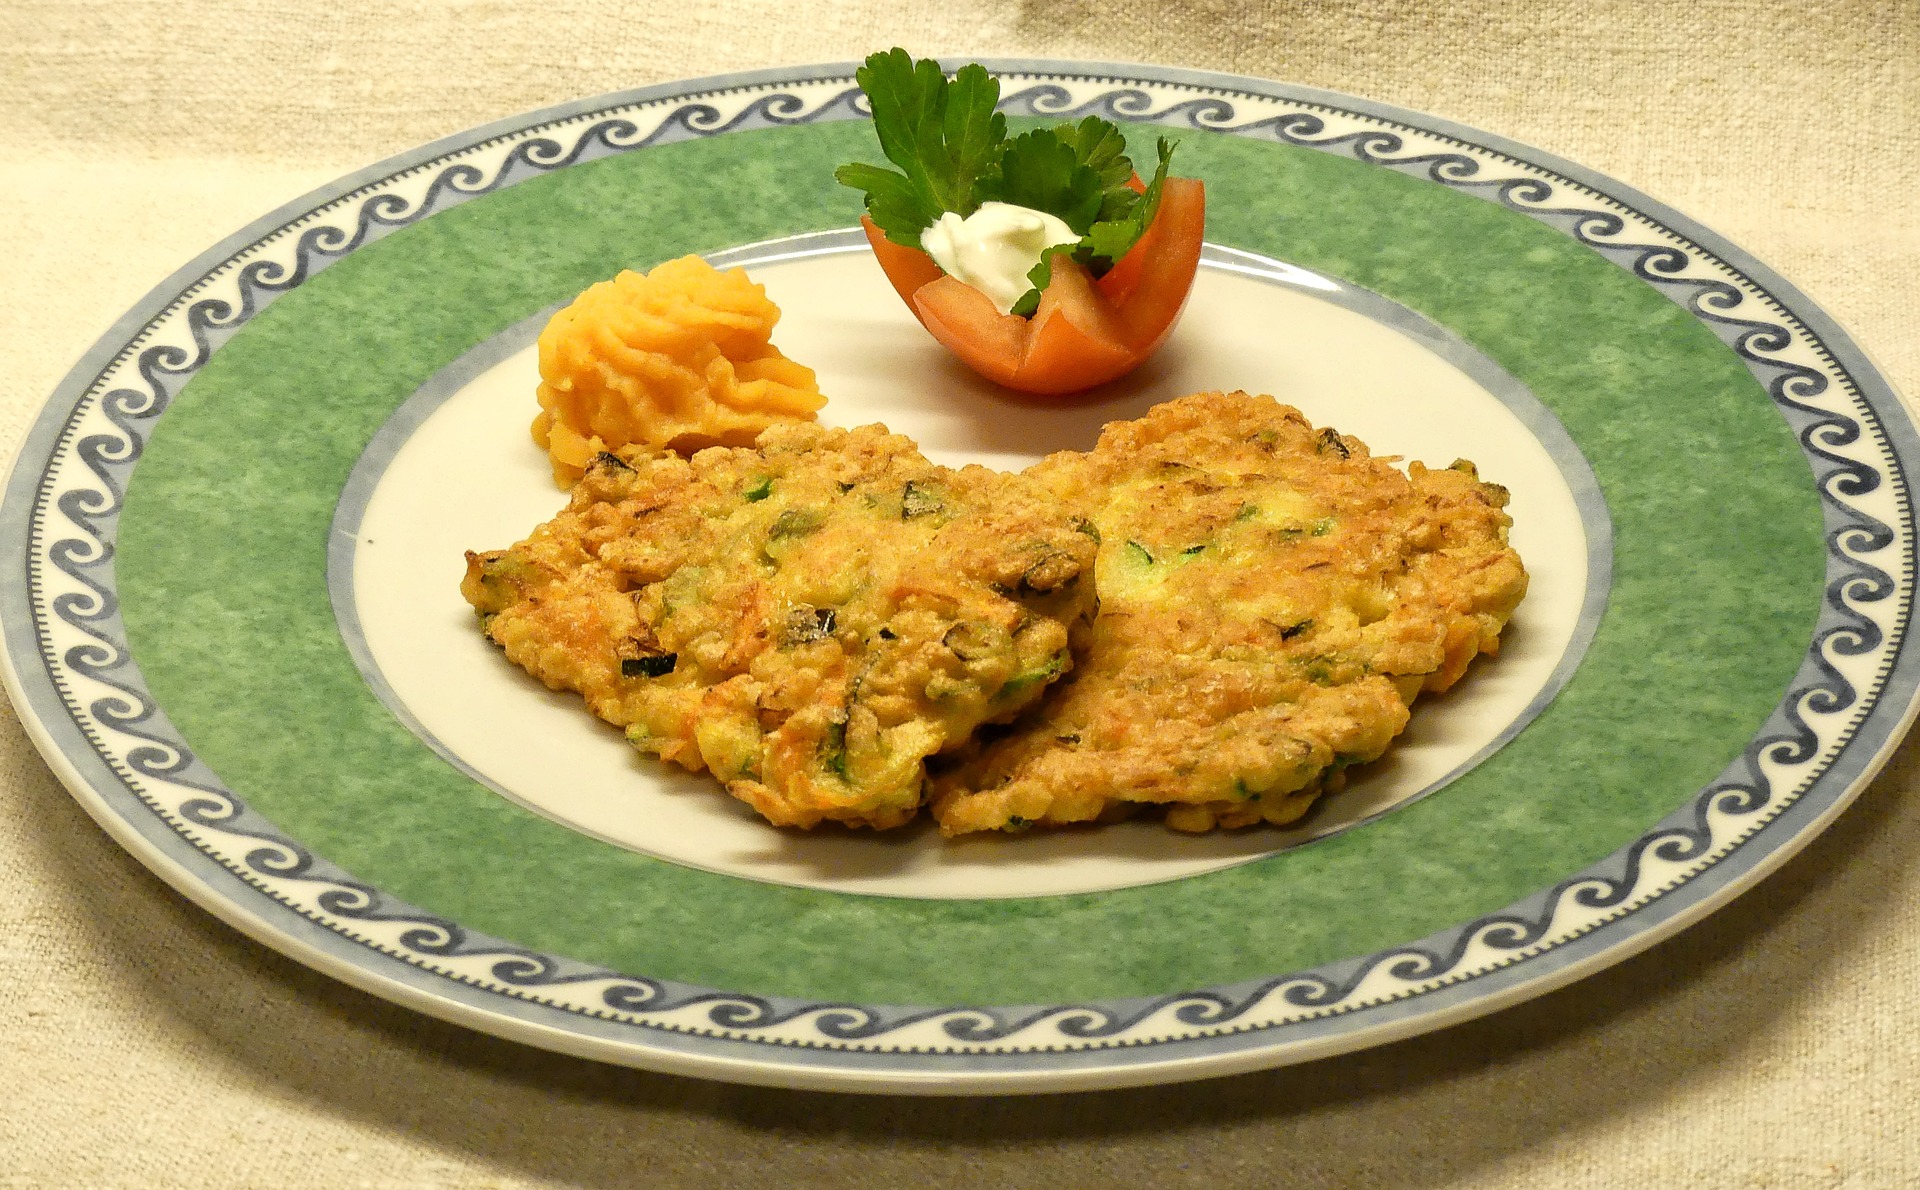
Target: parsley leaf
(894,205)
(943,133)
(1042,172)
(1103,243)
(1099,145)
(1108,240)
(953,154)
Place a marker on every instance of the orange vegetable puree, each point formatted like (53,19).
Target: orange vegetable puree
(678,359)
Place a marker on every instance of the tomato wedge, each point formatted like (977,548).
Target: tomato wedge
(1086,331)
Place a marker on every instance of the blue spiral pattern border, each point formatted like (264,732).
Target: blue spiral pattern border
(76,630)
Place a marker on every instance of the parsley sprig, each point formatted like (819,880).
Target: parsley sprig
(953,154)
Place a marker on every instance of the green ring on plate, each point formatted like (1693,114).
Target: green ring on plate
(222,549)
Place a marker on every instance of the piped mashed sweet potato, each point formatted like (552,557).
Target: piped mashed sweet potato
(679,358)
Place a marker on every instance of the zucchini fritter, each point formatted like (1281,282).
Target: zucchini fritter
(1272,600)
(809,619)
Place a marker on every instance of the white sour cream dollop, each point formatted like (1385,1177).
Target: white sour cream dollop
(995,248)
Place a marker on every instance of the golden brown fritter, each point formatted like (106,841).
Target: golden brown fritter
(1272,600)
(809,619)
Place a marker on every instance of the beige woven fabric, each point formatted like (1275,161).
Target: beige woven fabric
(143,1043)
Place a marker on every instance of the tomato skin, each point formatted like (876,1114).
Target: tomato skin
(907,268)
(1158,271)
(1085,332)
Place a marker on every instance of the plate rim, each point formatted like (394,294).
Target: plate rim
(1654,921)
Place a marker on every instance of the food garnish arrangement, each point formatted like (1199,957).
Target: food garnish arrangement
(1212,614)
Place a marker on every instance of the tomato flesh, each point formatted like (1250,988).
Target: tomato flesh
(1085,332)
(965,322)
(1073,342)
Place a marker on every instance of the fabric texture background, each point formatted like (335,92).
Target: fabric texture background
(143,1043)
